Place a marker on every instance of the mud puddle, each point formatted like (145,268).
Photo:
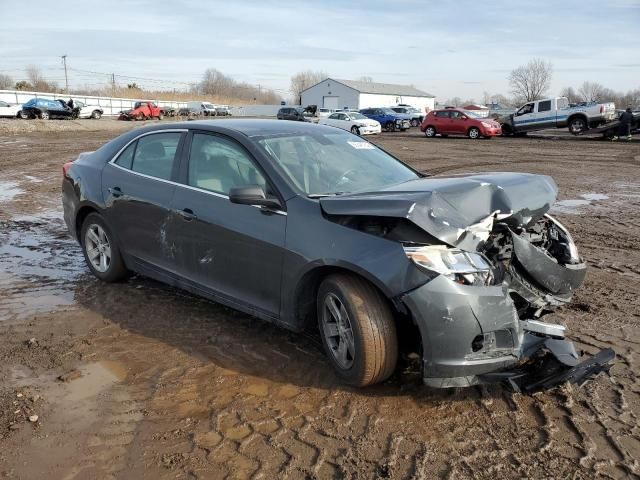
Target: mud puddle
(574,205)
(9,190)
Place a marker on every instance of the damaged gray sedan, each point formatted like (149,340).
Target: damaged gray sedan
(305,225)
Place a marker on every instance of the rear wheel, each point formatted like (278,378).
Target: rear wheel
(430,132)
(139,116)
(100,250)
(414,122)
(577,125)
(96,114)
(474,133)
(23,115)
(357,329)
(355,130)
(161,116)
(44,115)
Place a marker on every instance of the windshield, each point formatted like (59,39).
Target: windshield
(357,116)
(336,162)
(388,111)
(471,114)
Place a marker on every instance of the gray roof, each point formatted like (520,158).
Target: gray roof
(383,88)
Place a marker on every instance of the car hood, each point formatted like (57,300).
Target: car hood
(458,210)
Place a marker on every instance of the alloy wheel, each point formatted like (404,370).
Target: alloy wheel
(474,133)
(338,332)
(98,248)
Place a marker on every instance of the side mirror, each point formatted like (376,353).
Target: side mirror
(252,195)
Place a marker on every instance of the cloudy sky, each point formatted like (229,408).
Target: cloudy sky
(448,48)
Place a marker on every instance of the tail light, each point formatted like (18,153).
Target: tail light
(65,168)
(601,108)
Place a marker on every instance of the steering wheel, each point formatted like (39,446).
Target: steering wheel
(343,180)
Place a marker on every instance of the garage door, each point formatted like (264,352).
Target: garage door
(330,102)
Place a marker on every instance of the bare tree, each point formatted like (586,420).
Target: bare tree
(303,80)
(571,94)
(529,82)
(37,80)
(592,92)
(5,81)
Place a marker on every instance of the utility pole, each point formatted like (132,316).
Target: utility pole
(113,82)
(66,79)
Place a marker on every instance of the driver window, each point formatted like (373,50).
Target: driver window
(528,108)
(217,164)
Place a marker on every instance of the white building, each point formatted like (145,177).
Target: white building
(338,94)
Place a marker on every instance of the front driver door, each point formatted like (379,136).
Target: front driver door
(235,251)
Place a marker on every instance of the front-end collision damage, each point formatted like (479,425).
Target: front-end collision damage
(495,263)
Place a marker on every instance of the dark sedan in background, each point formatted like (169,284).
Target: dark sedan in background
(304,225)
(46,109)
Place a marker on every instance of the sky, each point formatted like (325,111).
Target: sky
(455,48)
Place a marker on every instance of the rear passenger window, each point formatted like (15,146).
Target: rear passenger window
(442,114)
(154,154)
(125,160)
(544,106)
(217,164)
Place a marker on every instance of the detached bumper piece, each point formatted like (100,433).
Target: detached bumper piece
(557,366)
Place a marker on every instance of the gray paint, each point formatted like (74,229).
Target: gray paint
(264,262)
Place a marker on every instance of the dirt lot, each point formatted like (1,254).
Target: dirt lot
(138,380)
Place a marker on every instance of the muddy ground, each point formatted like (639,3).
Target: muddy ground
(138,380)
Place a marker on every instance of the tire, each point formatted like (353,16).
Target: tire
(161,117)
(112,268)
(474,133)
(372,354)
(96,114)
(430,131)
(23,115)
(45,115)
(414,122)
(577,125)
(140,116)
(390,126)
(355,130)
(506,130)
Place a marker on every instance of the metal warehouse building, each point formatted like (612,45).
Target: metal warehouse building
(337,94)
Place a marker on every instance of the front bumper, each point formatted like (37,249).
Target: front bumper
(491,132)
(369,130)
(472,335)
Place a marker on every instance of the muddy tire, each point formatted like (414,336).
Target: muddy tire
(100,250)
(357,329)
(430,132)
(473,133)
(577,125)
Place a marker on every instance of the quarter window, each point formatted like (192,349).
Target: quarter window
(125,159)
(217,164)
(154,154)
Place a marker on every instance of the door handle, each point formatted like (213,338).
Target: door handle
(115,191)
(187,214)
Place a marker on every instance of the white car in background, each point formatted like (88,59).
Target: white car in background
(354,122)
(325,112)
(9,109)
(89,111)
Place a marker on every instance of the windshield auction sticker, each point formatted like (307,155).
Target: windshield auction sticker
(361,145)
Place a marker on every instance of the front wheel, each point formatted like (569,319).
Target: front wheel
(430,132)
(44,115)
(415,122)
(96,114)
(473,133)
(100,250)
(161,117)
(355,130)
(23,115)
(390,126)
(357,329)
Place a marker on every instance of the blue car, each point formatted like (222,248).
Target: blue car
(390,120)
(45,109)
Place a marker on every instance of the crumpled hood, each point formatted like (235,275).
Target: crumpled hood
(458,210)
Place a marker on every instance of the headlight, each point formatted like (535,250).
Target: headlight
(487,124)
(468,268)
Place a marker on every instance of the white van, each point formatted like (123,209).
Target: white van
(202,108)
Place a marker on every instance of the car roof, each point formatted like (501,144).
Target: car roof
(250,127)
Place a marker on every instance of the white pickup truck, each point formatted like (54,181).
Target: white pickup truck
(556,113)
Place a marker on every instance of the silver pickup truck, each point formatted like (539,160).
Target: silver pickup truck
(557,113)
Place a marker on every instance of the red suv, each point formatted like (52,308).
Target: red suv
(453,121)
